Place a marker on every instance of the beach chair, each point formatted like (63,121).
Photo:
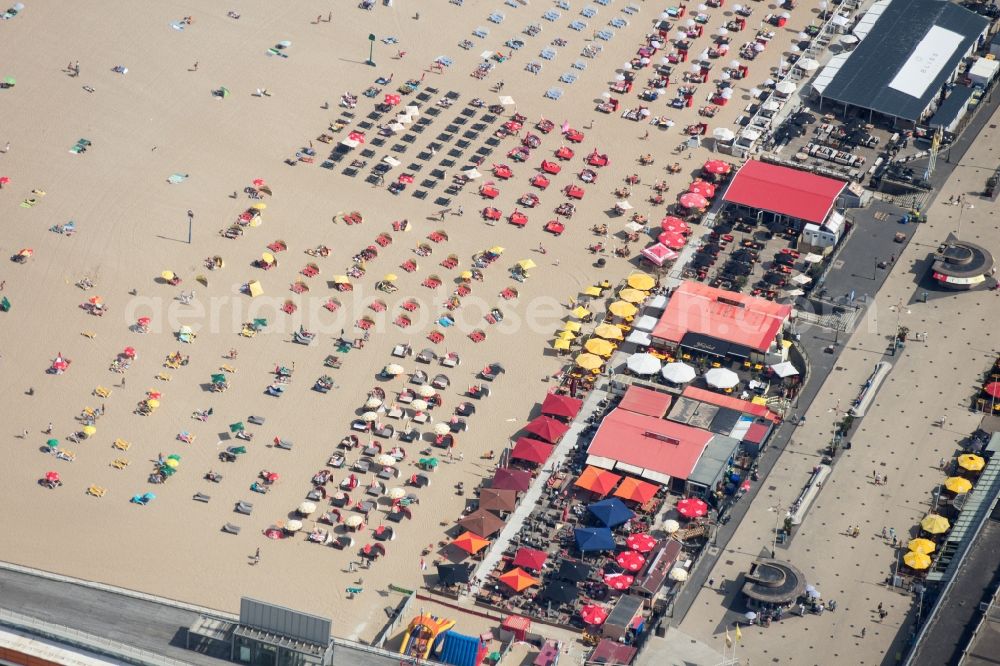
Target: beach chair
(163,377)
(102,392)
(120,463)
(88,334)
(229,528)
(201,497)
(122,445)
(243,507)
(227,368)
(332,304)
(96,491)
(248,332)
(66,455)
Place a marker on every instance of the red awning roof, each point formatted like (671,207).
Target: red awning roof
(547,428)
(756,433)
(724,315)
(612,653)
(645,401)
(506,478)
(561,405)
(532,450)
(655,444)
(529,558)
(784,190)
(729,401)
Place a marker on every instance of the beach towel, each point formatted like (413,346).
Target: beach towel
(177,25)
(177,178)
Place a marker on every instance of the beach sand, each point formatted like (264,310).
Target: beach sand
(160,119)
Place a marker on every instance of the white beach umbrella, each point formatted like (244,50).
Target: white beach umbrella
(393,369)
(722,378)
(419,405)
(670,526)
(678,574)
(396,493)
(354,521)
(441,429)
(426,391)
(723,134)
(643,364)
(385,459)
(369,417)
(307,508)
(678,373)
(293,525)
(373,403)
(784,369)
(807,65)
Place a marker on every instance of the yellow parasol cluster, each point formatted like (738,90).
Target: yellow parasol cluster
(971,462)
(958,485)
(609,332)
(932,523)
(632,295)
(641,281)
(589,361)
(622,309)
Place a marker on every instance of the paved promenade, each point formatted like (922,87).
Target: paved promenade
(897,439)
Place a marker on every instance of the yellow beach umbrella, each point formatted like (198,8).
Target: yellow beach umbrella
(526,264)
(958,485)
(572,326)
(580,312)
(153,404)
(561,344)
(267,258)
(592,290)
(465,275)
(622,309)
(89,431)
(632,295)
(341,279)
(925,546)
(167,275)
(496,249)
(391,277)
(599,347)
(971,462)
(589,361)
(935,524)
(916,560)
(641,281)
(259,206)
(172,463)
(609,332)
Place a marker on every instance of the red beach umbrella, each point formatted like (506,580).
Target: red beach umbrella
(692,507)
(642,543)
(703,188)
(593,614)
(630,560)
(618,581)
(673,240)
(693,200)
(992,390)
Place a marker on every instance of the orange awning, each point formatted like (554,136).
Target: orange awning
(518,579)
(636,490)
(597,480)
(471,543)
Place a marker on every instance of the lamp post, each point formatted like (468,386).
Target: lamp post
(371,49)
(777,516)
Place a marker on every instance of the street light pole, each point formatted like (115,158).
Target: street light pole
(371,50)
(774,540)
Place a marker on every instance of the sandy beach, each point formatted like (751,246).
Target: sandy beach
(162,118)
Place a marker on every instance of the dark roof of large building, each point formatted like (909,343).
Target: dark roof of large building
(908,53)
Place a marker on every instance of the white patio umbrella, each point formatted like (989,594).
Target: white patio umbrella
(678,574)
(426,391)
(393,369)
(373,403)
(722,378)
(419,405)
(623,205)
(369,417)
(785,87)
(441,429)
(807,65)
(307,508)
(670,526)
(643,364)
(506,100)
(396,493)
(385,459)
(413,110)
(723,134)
(784,369)
(293,525)
(354,521)
(678,373)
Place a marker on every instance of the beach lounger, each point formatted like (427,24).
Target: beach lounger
(96,491)
(201,497)
(245,508)
(88,334)
(229,528)
(284,445)
(618,22)
(578,25)
(102,392)
(177,178)
(588,12)
(547,54)
(163,377)
(120,463)
(481,32)
(553,93)
(122,445)
(568,77)
(563,4)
